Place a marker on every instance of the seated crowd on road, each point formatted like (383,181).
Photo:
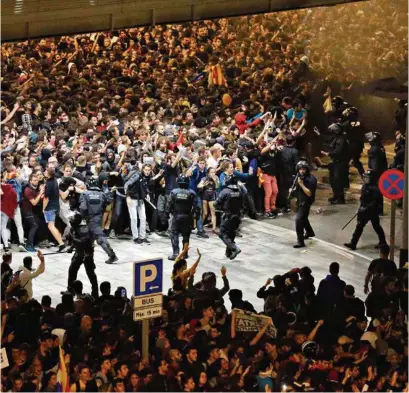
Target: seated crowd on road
(205,99)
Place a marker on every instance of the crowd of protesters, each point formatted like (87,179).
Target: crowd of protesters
(207,99)
(322,340)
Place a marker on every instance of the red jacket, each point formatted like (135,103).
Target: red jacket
(8,200)
(241,124)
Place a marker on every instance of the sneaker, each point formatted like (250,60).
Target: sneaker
(234,253)
(31,249)
(267,215)
(138,241)
(351,246)
(22,248)
(112,234)
(299,245)
(203,235)
(62,247)
(111,260)
(172,257)
(145,241)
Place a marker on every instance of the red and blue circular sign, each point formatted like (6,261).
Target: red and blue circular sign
(391,184)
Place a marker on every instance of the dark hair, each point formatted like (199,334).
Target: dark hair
(334,268)
(105,287)
(7,257)
(46,301)
(116,381)
(384,249)
(349,290)
(118,366)
(177,266)
(27,261)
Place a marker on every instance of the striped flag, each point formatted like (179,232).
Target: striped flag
(63,383)
(216,76)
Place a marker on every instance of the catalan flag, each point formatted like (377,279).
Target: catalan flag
(216,76)
(63,383)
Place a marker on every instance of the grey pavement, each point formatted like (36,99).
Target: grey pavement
(266,251)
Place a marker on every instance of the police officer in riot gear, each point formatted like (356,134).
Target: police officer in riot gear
(231,201)
(182,203)
(377,160)
(304,189)
(369,210)
(356,137)
(92,206)
(376,155)
(339,167)
(79,238)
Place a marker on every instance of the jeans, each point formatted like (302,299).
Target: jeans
(19,225)
(5,233)
(33,224)
(270,192)
(199,222)
(136,208)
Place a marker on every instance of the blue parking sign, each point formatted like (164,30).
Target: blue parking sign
(148,277)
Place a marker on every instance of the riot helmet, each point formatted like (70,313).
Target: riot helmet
(309,349)
(369,176)
(183,181)
(351,114)
(93,183)
(303,164)
(75,220)
(374,138)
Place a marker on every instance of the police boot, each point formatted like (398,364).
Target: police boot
(299,245)
(309,234)
(350,245)
(234,253)
(187,246)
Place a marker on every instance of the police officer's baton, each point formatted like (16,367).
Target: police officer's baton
(151,204)
(349,221)
(56,252)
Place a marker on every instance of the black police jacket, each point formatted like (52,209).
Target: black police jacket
(371,199)
(182,201)
(310,181)
(377,159)
(339,152)
(93,202)
(231,200)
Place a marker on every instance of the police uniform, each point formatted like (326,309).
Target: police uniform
(92,206)
(356,137)
(231,201)
(303,227)
(182,202)
(339,167)
(369,210)
(80,239)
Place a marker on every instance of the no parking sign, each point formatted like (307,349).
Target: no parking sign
(391,184)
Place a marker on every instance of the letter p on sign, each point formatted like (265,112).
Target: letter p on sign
(147,277)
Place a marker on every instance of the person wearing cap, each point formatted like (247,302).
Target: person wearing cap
(28,273)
